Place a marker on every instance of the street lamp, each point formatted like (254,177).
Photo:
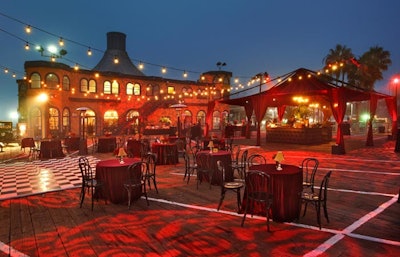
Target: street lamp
(178,107)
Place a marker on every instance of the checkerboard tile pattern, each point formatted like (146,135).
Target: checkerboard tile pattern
(20,179)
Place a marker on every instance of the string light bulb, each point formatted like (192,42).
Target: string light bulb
(141,66)
(28,29)
(185,74)
(27,46)
(89,52)
(116,60)
(163,70)
(61,42)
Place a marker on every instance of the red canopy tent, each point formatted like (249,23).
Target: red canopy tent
(319,88)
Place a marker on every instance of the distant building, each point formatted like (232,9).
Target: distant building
(57,100)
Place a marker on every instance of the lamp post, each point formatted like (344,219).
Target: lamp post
(82,138)
(178,107)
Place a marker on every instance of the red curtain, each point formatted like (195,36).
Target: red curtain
(373,102)
(260,107)
(210,110)
(281,112)
(338,107)
(391,104)
(249,111)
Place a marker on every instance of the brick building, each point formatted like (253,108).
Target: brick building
(115,98)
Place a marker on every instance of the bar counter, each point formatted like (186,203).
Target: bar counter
(303,136)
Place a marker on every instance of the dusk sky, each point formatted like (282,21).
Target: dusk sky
(188,35)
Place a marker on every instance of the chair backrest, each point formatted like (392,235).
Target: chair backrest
(86,170)
(256,159)
(243,158)
(235,152)
(203,161)
(144,148)
(323,190)
(309,167)
(180,145)
(151,160)
(27,142)
(136,172)
(221,169)
(258,186)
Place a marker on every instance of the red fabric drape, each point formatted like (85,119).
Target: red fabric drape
(249,111)
(373,102)
(338,107)
(210,110)
(260,107)
(281,112)
(391,104)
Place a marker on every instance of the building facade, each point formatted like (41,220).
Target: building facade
(56,100)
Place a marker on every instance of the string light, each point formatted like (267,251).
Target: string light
(61,42)
(116,60)
(27,46)
(28,29)
(89,52)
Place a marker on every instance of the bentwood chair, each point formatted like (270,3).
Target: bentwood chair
(309,167)
(88,181)
(258,191)
(190,166)
(241,165)
(136,181)
(204,170)
(150,174)
(228,186)
(181,146)
(256,159)
(318,199)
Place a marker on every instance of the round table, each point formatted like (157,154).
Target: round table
(114,174)
(226,158)
(287,185)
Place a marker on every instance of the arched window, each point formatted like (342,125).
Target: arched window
(216,123)
(91,123)
(84,86)
(129,89)
(110,121)
(187,119)
(66,120)
(107,87)
(65,83)
(136,89)
(115,88)
(52,81)
(132,115)
(54,119)
(35,80)
(36,122)
(92,86)
(201,117)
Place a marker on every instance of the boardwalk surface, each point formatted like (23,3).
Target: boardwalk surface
(363,211)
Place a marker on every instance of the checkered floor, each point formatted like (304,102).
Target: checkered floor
(20,179)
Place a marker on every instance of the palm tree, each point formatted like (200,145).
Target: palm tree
(337,60)
(372,64)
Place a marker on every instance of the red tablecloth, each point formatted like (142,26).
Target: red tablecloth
(114,175)
(133,147)
(161,150)
(286,190)
(72,143)
(106,144)
(51,149)
(226,159)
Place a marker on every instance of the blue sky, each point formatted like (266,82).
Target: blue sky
(249,36)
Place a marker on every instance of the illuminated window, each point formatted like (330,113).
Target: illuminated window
(201,117)
(65,83)
(35,80)
(54,119)
(136,89)
(66,120)
(110,120)
(36,122)
(92,86)
(84,86)
(115,88)
(216,123)
(129,89)
(107,87)
(170,90)
(52,81)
